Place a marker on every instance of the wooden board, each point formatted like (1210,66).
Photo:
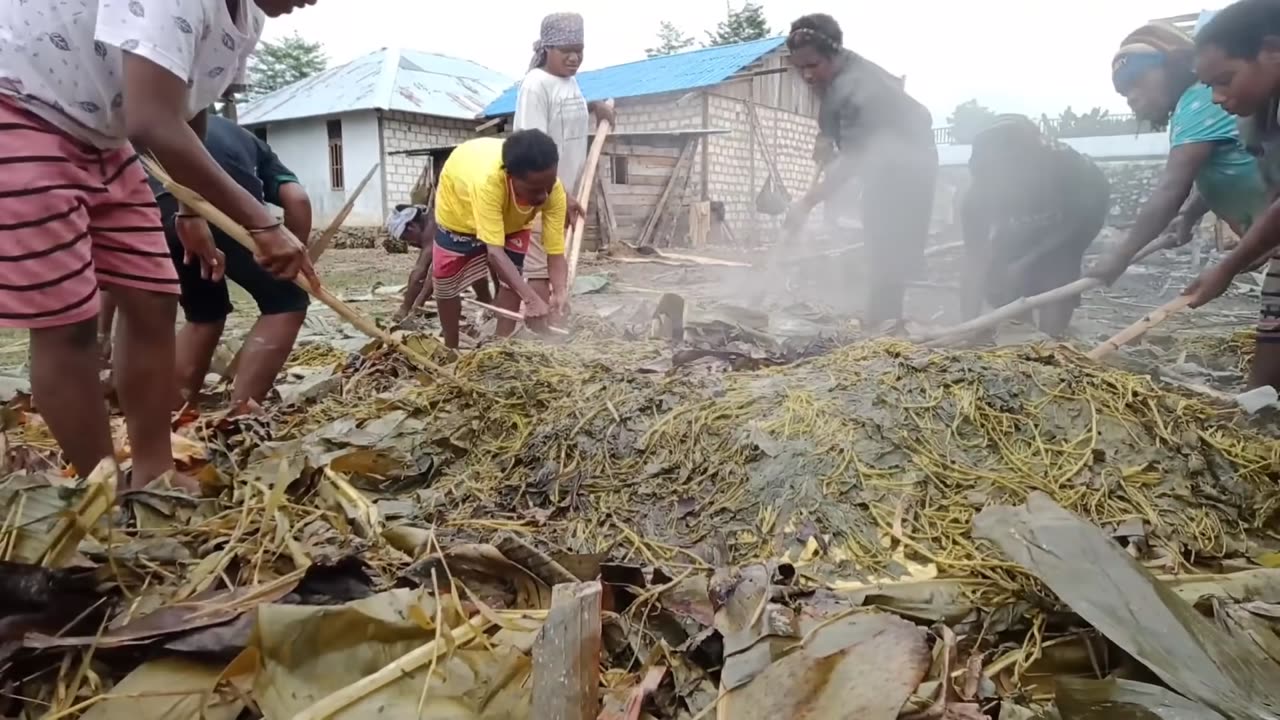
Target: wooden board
(679,178)
(566,655)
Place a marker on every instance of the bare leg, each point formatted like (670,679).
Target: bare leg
(507,300)
(265,351)
(195,347)
(144,365)
(64,381)
(450,317)
(482,291)
(106,322)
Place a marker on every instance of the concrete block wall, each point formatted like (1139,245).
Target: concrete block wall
(411,131)
(672,111)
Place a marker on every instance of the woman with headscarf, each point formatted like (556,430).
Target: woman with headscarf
(1154,70)
(551,101)
(868,126)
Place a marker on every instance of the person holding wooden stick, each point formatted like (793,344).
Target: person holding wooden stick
(1034,207)
(870,127)
(1154,70)
(1238,58)
(490,191)
(551,101)
(79,81)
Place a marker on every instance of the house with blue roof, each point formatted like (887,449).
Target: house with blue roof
(333,127)
(750,122)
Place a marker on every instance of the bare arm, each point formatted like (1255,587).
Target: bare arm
(297,210)
(155,110)
(1257,243)
(1176,183)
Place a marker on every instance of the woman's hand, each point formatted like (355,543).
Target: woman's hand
(198,245)
(1210,285)
(283,255)
(573,210)
(534,307)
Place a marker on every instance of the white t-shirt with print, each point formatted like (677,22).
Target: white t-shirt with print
(556,106)
(63,58)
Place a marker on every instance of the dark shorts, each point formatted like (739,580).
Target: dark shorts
(204,301)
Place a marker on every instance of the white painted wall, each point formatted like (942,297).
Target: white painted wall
(303,145)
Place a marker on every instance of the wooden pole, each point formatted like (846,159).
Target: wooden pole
(1021,306)
(585,183)
(233,229)
(1140,328)
(323,242)
(503,312)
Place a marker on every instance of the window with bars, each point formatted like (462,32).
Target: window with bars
(619,170)
(336,172)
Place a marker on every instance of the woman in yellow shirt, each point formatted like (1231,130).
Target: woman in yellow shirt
(489,193)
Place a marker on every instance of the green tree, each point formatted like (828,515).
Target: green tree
(671,40)
(968,119)
(745,23)
(279,64)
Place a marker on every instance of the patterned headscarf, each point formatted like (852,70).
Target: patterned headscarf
(558,29)
(1145,48)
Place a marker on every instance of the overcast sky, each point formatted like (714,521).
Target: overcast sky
(1029,56)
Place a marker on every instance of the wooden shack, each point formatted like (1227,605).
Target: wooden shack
(645,194)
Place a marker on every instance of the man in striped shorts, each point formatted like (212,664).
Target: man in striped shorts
(79,80)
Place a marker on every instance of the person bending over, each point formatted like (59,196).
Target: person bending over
(1238,57)
(416,226)
(1034,207)
(870,128)
(81,85)
(489,193)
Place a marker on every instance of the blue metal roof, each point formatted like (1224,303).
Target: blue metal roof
(670,73)
(388,79)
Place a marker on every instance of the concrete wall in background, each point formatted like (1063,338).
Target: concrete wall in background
(303,145)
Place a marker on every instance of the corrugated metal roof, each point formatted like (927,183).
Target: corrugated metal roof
(670,73)
(389,79)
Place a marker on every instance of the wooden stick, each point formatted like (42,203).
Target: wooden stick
(503,312)
(330,705)
(323,242)
(586,182)
(1021,306)
(651,226)
(314,252)
(220,220)
(1138,329)
(566,655)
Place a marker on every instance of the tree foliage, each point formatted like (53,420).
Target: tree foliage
(745,23)
(671,40)
(968,119)
(1096,122)
(279,64)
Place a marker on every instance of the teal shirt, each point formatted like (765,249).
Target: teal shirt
(1231,182)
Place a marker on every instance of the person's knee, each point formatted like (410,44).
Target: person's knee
(77,337)
(146,311)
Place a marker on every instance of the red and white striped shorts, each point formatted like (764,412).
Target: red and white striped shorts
(72,217)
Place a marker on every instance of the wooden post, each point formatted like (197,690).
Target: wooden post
(699,223)
(325,239)
(606,222)
(566,655)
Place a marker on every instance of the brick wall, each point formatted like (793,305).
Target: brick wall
(410,131)
(736,161)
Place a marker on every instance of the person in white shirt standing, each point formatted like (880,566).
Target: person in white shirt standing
(551,101)
(82,83)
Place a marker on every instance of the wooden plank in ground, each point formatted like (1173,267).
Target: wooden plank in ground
(566,655)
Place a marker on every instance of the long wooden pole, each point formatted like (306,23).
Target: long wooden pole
(585,184)
(233,229)
(1021,306)
(1140,328)
(323,242)
(314,252)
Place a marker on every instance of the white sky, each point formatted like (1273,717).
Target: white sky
(1028,56)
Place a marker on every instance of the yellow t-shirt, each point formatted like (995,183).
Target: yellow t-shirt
(474,198)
